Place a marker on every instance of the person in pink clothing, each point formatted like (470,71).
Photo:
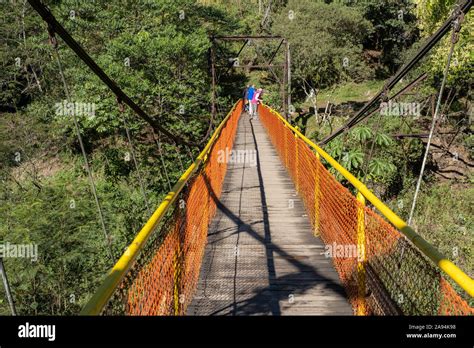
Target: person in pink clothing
(254,102)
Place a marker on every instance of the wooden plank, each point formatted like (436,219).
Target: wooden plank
(277,254)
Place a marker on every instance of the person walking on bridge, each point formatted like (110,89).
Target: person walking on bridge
(245,98)
(254,102)
(250,93)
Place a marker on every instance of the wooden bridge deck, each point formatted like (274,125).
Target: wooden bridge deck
(261,257)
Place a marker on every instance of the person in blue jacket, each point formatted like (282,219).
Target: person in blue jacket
(245,98)
(250,93)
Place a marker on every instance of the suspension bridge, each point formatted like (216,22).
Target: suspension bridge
(237,239)
(275,233)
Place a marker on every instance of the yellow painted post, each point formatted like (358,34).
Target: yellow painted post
(296,161)
(361,258)
(105,291)
(177,278)
(317,198)
(447,266)
(286,148)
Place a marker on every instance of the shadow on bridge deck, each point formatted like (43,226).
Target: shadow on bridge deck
(261,257)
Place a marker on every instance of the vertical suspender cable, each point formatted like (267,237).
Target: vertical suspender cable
(158,143)
(132,151)
(7,287)
(190,154)
(86,162)
(372,147)
(376,132)
(179,157)
(454,39)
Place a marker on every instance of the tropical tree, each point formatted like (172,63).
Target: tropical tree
(326,43)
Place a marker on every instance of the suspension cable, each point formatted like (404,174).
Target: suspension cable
(454,38)
(179,158)
(6,285)
(190,154)
(132,151)
(55,26)
(371,152)
(54,44)
(462,8)
(160,152)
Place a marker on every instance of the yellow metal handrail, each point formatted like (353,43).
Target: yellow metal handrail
(453,271)
(119,270)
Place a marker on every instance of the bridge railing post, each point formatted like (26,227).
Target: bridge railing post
(317,197)
(286,131)
(177,279)
(296,161)
(361,257)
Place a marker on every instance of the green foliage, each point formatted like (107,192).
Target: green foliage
(362,133)
(443,216)
(61,219)
(322,36)
(383,140)
(352,160)
(394,31)
(157,52)
(431,14)
(378,168)
(347,92)
(365,154)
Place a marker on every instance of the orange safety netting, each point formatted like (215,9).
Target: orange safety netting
(394,277)
(391,277)
(162,281)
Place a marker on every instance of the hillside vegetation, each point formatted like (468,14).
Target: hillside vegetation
(158,53)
